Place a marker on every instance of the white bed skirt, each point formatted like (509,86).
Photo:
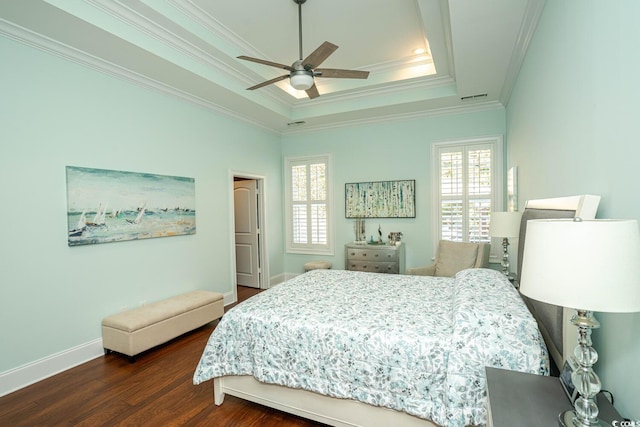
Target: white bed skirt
(314,406)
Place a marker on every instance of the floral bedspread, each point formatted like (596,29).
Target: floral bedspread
(410,343)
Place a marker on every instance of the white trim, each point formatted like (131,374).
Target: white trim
(388,118)
(262,242)
(68,53)
(185,43)
(25,375)
(527,29)
(329,248)
(280,278)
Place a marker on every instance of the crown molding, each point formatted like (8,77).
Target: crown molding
(436,112)
(197,14)
(68,53)
(527,29)
(185,43)
(382,90)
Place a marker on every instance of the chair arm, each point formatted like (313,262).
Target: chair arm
(422,271)
(483,255)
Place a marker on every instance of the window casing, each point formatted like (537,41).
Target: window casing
(308,205)
(468,180)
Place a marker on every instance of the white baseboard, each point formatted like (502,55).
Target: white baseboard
(276,280)
(25,375)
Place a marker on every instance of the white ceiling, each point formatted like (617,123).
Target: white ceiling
(190,47)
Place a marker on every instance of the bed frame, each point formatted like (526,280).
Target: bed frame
(553,321)
(346,412)
(313,406)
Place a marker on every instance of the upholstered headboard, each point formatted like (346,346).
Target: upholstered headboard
(553,320)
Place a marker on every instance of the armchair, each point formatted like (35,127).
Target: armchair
(452,257)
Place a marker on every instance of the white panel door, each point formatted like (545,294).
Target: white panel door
(247,233)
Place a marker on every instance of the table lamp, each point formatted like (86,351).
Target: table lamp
(505,225)
(587,265)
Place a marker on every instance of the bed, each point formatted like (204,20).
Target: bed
(351,348)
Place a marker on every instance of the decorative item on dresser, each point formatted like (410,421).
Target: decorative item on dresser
(505,225)
(563,265)
(375,258)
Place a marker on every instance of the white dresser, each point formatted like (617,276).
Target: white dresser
(375,258)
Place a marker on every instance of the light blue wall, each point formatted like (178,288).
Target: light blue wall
(573,128)
(388,151)
(54,113)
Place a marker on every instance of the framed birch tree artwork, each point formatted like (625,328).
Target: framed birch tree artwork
(381,199)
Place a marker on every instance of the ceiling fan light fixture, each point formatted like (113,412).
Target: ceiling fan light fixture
(301,80)
(303,71)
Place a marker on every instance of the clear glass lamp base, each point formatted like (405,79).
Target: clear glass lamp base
(568,419)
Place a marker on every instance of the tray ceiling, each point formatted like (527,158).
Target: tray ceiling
(472,52)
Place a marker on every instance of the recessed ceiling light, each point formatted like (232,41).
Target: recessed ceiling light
(419,51)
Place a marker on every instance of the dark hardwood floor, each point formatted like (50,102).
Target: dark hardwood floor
(156,390)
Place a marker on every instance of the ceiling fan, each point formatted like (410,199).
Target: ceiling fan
(303,71)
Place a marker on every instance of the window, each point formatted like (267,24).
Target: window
(468,182)
(308,208)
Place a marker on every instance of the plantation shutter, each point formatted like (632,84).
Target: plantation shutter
(308,226)
(468,183)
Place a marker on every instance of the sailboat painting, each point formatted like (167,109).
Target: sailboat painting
(112,206)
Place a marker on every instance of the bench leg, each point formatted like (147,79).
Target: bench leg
(132,359)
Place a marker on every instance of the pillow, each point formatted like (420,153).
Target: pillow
(454,257)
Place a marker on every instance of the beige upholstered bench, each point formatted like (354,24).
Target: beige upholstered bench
(317,265)
(133,331)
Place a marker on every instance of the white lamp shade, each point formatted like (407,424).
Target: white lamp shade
(588,265)
(301,80)
(505,224)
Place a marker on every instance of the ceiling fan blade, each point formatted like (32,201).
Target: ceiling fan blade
(318,56)
(340,74)
(262,61)
(312,92)
(268,82)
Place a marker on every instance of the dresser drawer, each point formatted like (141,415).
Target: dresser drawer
(375,258)
(374,267)
(382,255)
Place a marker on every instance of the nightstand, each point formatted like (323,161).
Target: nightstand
(527,400)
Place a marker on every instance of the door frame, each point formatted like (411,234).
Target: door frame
(263,257)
